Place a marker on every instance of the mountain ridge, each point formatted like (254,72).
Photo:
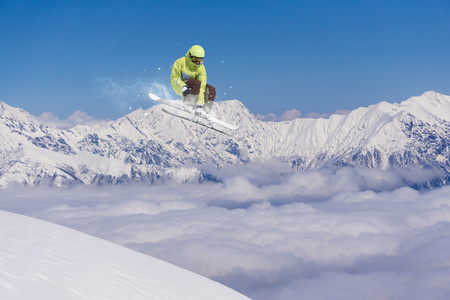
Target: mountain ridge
(148,145)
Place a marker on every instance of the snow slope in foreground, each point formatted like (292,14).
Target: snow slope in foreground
(41,260)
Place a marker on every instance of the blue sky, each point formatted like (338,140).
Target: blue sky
(100,57)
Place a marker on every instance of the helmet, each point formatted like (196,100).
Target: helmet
(197,51)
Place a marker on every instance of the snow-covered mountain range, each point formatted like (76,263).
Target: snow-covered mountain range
(147,145)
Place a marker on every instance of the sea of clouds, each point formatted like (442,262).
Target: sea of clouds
(341,233)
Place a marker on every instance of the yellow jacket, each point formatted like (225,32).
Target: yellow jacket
(184,69)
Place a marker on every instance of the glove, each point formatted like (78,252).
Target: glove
(186,90)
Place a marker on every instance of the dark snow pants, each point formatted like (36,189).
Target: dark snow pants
(210,91)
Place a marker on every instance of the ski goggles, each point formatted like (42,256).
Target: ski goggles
(197,60)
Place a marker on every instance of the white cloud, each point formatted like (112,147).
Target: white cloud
(314,115)
(288,115)
(78,117)
(273,234)
(293,114)
(271,117)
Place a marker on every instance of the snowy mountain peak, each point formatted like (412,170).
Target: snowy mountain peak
(430,106)
(7,111)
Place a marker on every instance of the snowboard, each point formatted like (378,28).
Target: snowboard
(210,126)
(195,118)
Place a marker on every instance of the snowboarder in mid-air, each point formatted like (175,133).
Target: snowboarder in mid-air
(188,79)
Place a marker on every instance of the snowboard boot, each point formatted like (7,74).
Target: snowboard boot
(200,111)
(208,103)
(190,101)
(208,106)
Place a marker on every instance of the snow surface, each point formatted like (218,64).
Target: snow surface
(42,261)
